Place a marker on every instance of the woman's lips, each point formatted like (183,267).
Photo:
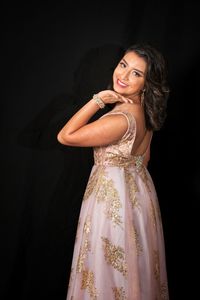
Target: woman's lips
(121,84)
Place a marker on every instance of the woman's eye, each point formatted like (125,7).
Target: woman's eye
(136,74)
(122,64)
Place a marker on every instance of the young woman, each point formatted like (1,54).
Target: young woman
(119,250)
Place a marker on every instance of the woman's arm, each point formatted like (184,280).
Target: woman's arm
(109,129)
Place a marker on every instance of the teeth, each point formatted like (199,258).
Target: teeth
(121,83)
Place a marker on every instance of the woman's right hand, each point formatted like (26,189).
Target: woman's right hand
(109,97)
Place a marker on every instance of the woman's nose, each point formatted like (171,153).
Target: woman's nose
(125,75)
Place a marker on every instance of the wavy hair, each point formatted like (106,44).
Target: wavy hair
(156,90)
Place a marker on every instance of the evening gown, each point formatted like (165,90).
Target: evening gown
(119,249)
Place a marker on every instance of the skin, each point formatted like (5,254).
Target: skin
(128,82)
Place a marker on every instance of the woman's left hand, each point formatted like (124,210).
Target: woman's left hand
(109,96)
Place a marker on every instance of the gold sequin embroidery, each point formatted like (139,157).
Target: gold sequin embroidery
(156,265)
(93,181)
(85,247)
(135,235)
(109,194)
(87,225)
(115,256)
(113,159)
(162,287)
(143,174)
(119,293)
(105,192)
(153,214)
(133,189)
(88,283)
(164,291)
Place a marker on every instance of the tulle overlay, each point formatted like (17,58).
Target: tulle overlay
(119,249)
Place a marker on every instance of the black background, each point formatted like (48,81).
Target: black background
(42,46)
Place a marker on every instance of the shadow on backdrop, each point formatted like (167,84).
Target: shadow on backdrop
(48,228)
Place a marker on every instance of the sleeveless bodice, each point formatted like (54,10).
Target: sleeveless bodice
(119,153)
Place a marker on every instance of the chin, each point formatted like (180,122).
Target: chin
(118,89)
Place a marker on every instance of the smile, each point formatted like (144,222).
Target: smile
(121,83)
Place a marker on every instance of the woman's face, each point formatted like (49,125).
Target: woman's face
(129,75)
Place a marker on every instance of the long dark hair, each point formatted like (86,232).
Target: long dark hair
(156,88)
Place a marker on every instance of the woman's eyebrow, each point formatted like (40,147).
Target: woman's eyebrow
(133,68)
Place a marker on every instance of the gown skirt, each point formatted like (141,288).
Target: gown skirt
(119,251)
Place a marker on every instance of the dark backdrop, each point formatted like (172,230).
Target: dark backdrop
(42,46)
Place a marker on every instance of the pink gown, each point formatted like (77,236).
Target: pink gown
(119,250)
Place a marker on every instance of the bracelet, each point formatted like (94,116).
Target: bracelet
(98,101)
